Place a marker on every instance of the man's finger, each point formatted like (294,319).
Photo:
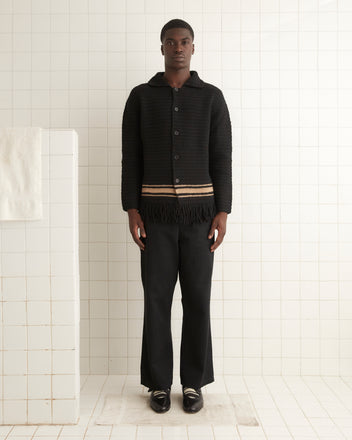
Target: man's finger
(140,243)
(214,246)
(218,241)
(137,240)
(143,234)
(212,230)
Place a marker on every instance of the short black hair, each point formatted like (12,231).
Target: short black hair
(176,23)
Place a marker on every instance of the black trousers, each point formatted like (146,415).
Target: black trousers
(172,250)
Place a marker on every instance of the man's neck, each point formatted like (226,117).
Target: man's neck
(176,78)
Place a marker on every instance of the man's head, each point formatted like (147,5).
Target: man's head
(177,44)
(176,23)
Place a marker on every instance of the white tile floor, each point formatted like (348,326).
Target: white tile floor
(287,408)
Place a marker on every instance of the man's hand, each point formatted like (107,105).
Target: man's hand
(136,223)
(219,223)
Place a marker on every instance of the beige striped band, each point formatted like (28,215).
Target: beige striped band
(178,190)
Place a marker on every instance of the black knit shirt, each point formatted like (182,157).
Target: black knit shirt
(176,151)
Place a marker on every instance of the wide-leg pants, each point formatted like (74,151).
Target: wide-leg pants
(172,250)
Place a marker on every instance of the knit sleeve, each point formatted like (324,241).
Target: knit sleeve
(220,152)
(132,154)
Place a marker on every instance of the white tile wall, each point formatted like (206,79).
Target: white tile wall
(282,280)
(40,316)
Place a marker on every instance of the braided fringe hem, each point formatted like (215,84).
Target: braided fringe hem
(185,213)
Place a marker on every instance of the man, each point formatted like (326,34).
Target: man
(177,190)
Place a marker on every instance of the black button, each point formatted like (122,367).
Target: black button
(176,109)
(176,132)
(176,156)
(177,180)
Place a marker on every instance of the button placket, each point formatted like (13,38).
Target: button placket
(176,134)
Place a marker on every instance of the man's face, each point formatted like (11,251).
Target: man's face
(177,48)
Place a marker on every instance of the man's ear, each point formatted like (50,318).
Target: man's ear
(192,49)
(162,49)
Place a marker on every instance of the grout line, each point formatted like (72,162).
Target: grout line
(88,287)
(347,383)
(280,193)
(318,194)
(1,251)
(122,389)
(262,369)
(338,164)
(317,397)
(292,392)
(339,399)
(2,333)
(278,409)
(236,428)
(107,188)
(241,195)
(26,237)
(299,192)
(261,425)
(95,406)
(49,212)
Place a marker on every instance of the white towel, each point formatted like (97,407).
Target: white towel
(20,173)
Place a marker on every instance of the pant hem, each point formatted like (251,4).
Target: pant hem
(158,387)
(206,382)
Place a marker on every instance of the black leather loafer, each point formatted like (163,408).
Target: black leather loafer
(192,399)
(160,400)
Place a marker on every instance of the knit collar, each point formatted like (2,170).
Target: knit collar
(193,81)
